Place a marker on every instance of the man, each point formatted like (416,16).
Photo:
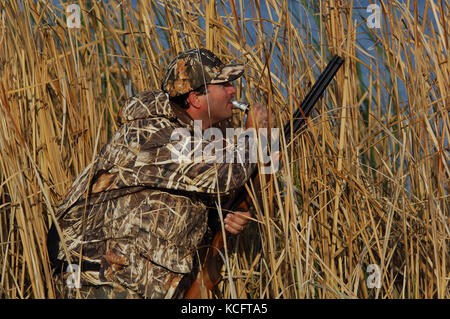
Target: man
(134,218)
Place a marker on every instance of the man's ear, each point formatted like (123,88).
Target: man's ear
(193,99)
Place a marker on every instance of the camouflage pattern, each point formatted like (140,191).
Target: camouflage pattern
(89,291)
(194,68)
(136,212)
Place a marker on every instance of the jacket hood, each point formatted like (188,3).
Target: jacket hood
(152,104)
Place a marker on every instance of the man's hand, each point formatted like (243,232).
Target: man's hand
(235,222)
(257,115)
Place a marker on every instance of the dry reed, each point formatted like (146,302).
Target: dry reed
(367,183)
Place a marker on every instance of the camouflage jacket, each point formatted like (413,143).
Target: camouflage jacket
(135,207)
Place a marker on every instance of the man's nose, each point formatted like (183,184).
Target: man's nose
(231,89)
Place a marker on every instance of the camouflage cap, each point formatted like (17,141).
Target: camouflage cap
(193,68)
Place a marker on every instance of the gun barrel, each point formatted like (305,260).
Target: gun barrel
(313,95)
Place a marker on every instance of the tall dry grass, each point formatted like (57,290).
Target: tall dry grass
(366,183)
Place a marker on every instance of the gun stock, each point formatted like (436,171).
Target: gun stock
(209,275)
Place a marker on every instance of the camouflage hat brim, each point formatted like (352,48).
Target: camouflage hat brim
(229,72)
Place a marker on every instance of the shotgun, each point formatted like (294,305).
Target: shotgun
(209,274)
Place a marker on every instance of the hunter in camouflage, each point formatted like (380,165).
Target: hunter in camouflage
(134,218)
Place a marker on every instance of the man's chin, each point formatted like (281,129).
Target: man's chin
(218,123)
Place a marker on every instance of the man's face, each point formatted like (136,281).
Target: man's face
(216,102)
